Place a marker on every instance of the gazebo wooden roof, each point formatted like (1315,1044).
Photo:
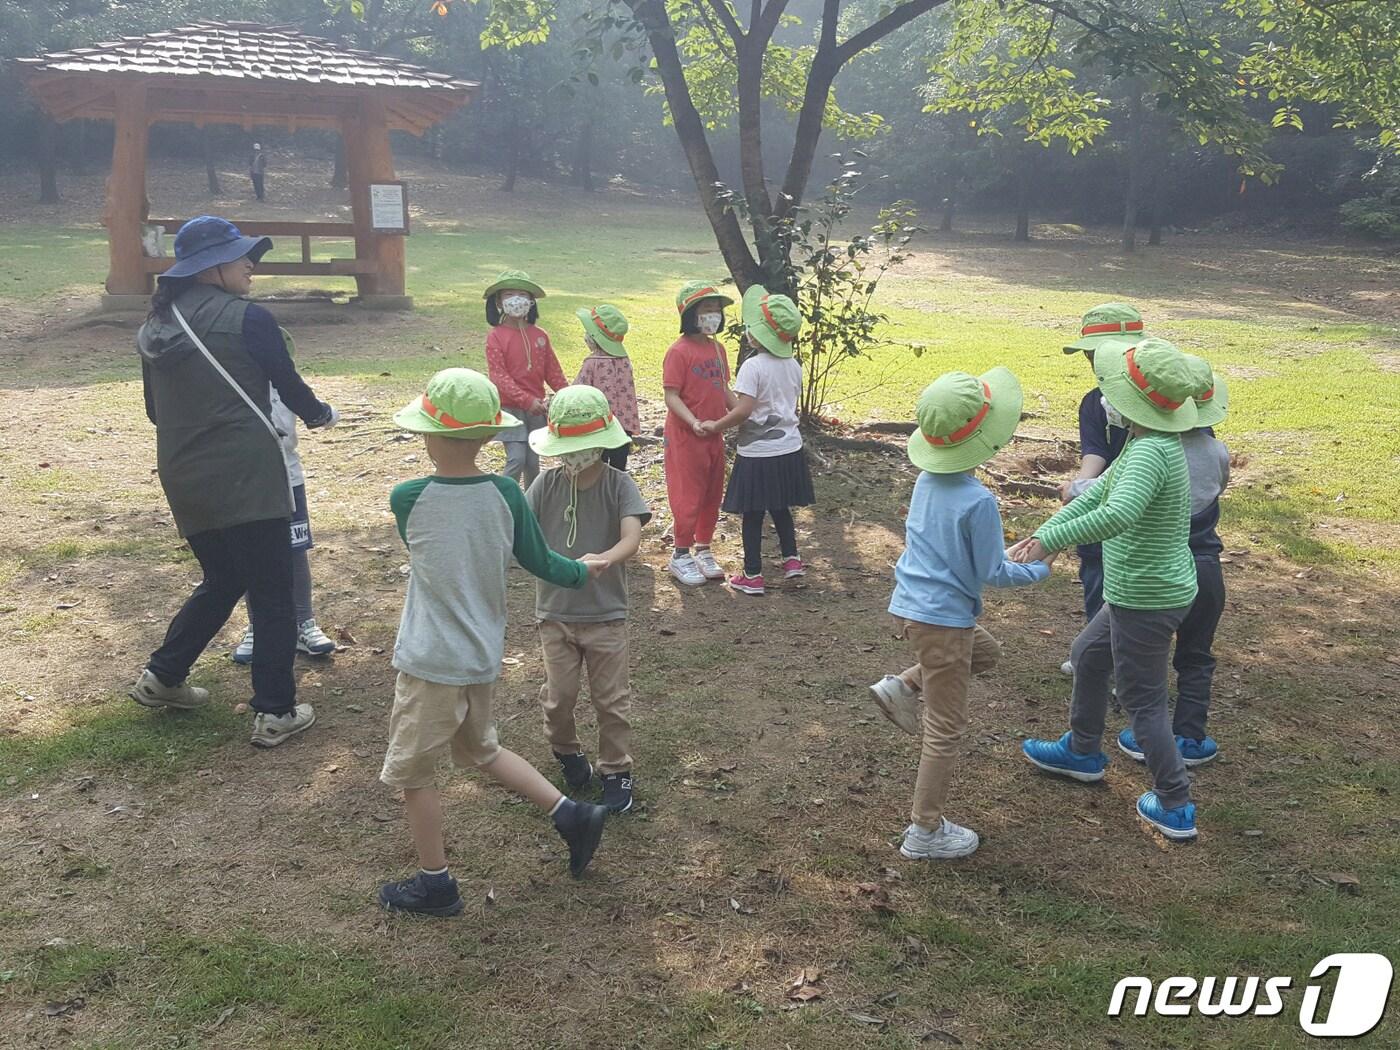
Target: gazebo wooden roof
(247,74)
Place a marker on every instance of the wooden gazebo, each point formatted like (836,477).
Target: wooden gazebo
(250,75)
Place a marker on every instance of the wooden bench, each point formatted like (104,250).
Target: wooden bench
(304,231)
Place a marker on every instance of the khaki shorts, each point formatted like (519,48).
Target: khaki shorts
(430,718)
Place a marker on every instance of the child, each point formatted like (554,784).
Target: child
(608,368)
(520,361)
(1208,464)
(1141,511)
(770,469)
(695,376)
(586,505)
(953,548)
(310,638)
(1099,443)
(461,527)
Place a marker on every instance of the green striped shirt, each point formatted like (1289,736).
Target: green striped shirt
(1141,511)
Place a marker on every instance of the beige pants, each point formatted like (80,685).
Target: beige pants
(430,719)
(603,647)
(948,658)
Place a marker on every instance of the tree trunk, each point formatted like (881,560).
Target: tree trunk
(340,178)
(1135,164)
(513,165)
(48,160)
(1154,195)
(209,171)
(946,225)
(583,156)
(1023,197)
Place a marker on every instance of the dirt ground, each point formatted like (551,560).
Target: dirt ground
(770,791)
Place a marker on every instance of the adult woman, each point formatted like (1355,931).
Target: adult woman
(208,357)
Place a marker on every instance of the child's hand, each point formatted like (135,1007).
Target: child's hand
(596,564)
(1049,559)
(1028,550)
(709,427)
(699,428)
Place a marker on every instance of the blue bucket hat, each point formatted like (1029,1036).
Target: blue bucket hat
(208,241)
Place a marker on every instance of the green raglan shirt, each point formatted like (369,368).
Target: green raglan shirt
(1141,511)
(461,534)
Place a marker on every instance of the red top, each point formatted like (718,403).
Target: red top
(613,376)
(520,363)
(697,367)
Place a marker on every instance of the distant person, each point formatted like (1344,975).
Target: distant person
(462,527)
(770,474)
(1099,442)
(953,549)
(208,361)
(608,368)
(695,378)
(257,168)
(521,362)
(587,505)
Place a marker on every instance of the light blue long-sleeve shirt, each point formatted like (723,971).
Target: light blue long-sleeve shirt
(953,547)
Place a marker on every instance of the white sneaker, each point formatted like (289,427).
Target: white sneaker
(705,559)
(243,652)
(1067,668)
(684,569)
(899,703)
(271,730)
(150,691)
(949,842)
(311,639)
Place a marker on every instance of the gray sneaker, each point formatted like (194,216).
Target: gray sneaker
(949,842)
(271,730)
(900,704)
(150,691)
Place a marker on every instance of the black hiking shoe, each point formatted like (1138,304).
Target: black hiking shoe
(577,769)
(617,791)
(421,896)
(580,825)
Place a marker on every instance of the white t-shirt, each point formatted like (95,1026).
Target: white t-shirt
(775,384)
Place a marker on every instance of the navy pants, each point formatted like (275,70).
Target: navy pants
(1091,576)
(1194,662)
(253,559)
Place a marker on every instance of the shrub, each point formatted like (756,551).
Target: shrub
(1377,217)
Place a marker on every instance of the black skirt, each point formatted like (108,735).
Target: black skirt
(758,483)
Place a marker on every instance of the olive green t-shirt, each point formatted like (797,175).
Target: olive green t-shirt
(601,508)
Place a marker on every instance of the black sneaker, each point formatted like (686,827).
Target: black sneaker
(577,769)
(580,824)
(421,896)
(617,791)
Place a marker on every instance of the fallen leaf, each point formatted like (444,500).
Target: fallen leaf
(866,1018)
(224,1015)
(1253,833)
(344,637)
(66,605)
(65,1007)
(491,895)
(665,632)
(332,769)
(738,988)
(1344,881)
(941,1036)
(805,994)
(739,908)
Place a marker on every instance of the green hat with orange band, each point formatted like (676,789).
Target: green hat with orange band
(1105,324)
(964,420)
(693,291)
(606,326)
(513,280)
(459,403)
(1212,396)
(579,418)
(1152,383)
(771,319)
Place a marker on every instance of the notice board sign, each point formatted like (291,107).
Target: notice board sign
(388,207)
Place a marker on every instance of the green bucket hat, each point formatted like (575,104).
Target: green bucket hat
(1106,324)
(964,420)
(693,291)
(459,403)
(579,418)
(1151,384)
(518,280)
(606,326)
(771,319)
(1212,396)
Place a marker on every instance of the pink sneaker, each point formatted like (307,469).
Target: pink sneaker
(747,584)
(793,568)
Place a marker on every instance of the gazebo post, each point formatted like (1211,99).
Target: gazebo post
(368,158)
(126,194)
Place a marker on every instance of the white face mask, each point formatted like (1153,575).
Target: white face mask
(709,324)
(575,463)
(516,305)
(1115,418)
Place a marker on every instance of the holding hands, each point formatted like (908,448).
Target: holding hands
(597,564)
(1031,549)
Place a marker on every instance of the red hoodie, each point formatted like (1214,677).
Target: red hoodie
(520,363)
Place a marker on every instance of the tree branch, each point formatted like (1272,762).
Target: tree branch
(727,19)
(881,28)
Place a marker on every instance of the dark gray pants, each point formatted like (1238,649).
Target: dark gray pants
(1130,647)
(1194,661)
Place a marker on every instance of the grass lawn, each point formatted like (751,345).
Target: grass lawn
(165,884)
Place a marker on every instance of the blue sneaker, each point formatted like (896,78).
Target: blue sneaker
(1176,824)
(422,895)
(1193,752)
(1055,756)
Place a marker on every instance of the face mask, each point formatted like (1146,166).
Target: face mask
(1115,418)
(516,305)
(709,324)
(575,463)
